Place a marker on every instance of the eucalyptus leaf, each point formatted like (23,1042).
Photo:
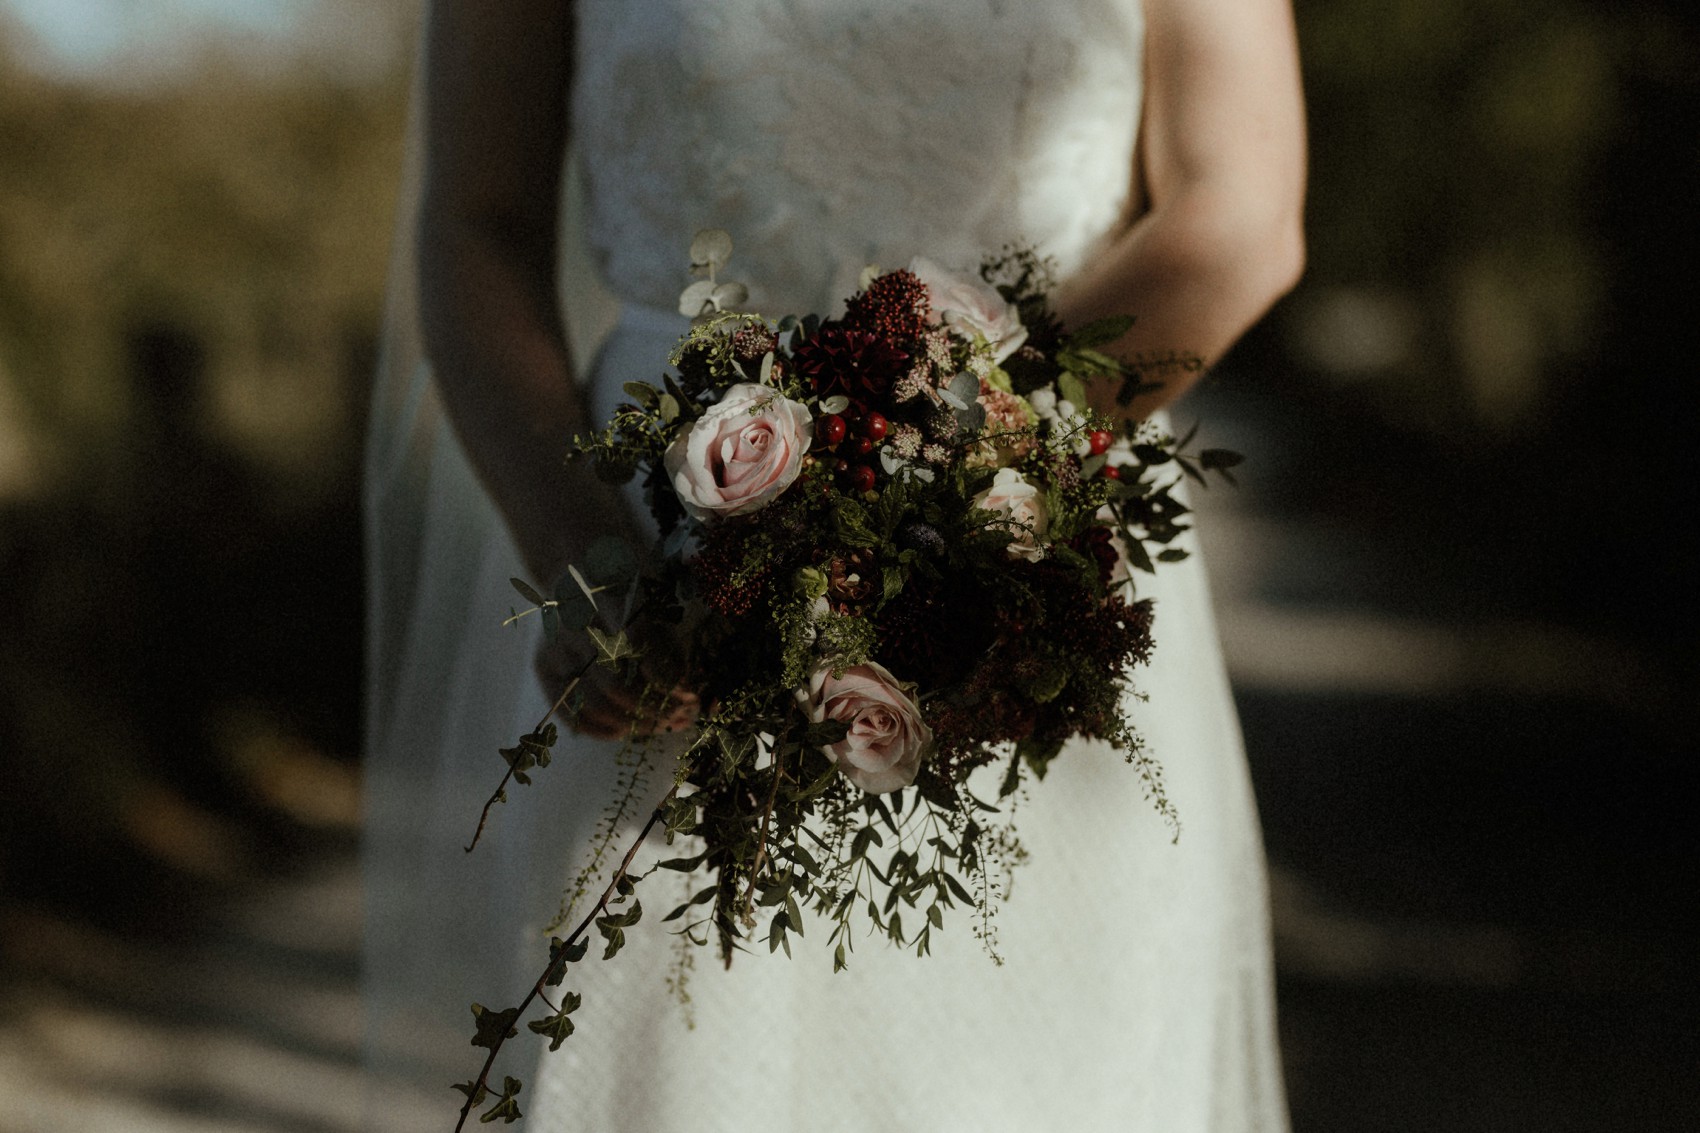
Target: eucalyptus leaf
(641,392)
(711,248)
(526,591)
(584,587)
(837,403)
(697,298)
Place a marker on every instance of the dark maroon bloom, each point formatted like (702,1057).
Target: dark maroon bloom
(859,364)
(895,305)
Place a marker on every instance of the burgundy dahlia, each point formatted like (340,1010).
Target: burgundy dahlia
(856,363)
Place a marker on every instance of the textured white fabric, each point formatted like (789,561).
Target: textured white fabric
(1137,992)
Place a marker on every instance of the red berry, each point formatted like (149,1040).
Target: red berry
(859,446)
(1112,472)
(830,429)
(841,466)
(875,426)
(861,478)
(1100,440)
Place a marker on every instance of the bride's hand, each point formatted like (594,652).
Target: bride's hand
(610,708)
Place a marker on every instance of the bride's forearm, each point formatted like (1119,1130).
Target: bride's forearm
(501,365)
(496,81)
(1222,151)
(1194,274)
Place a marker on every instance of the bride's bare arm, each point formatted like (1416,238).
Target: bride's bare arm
(1222,152)
(497,74)
(495,106)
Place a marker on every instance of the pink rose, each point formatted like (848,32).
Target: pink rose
(740,454)
(972,308)
(887,738)
(1020,506)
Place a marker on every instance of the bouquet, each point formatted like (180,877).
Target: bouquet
(896,561)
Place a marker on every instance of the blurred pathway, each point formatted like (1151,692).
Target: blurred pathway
(254,1026)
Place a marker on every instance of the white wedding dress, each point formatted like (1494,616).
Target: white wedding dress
(1137,992)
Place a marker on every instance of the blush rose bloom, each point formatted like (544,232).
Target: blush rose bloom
(887,739)
(972,308)
(740,454)
(1021,506)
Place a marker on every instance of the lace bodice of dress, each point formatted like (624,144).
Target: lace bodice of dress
(945,128)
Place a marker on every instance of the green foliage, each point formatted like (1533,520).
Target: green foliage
(558,1027)
(493,1027)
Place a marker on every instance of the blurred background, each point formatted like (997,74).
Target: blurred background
(1454,588)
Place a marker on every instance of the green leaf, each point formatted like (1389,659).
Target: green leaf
(585,588)
(1152,454)
(1038,754)
(1100,331)
(1011,779)
(556,1028)
(526,591)
(893,582)
(1071,388)
(612,649)
(1137,556)
(506,1110)
(473,1090)
(803,858)
(711,248)
(669,408)
(958,889)
(493,1026)
(850,525)
(1172,555)
(576,950)
(1216,459)
(642,392)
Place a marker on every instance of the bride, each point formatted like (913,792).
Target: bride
(1155,152)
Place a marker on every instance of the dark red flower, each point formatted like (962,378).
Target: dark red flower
(895,305)
(857,363)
